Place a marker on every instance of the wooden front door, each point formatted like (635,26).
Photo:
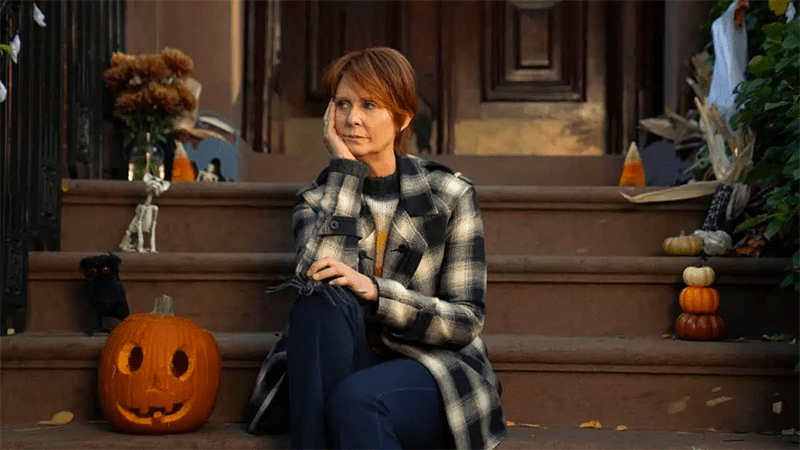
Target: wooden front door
(494,77)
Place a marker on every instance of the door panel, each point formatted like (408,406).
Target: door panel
(540,87)
(494,77)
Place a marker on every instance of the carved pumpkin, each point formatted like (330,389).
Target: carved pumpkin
(699,327)
(699,300)
(698,276)
(159,373)
(683,245)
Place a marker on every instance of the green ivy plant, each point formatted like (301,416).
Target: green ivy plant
(770,102)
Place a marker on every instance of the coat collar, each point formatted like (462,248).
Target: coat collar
(416,197)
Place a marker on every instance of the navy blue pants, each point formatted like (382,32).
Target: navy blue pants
(344,395)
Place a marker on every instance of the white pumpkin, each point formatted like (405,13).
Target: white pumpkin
(698,276)
(715,242)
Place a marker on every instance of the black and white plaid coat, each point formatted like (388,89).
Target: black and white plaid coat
(432,295)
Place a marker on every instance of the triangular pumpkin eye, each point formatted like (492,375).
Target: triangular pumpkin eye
(180,363)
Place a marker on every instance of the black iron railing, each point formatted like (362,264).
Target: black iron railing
(51,126)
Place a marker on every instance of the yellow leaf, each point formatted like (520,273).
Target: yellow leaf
(591,424)
(778,6)
(621,428)
(64,186)
(59,418)
(511,424)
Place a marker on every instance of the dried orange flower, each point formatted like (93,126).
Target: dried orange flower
(180,63)
(118,58)
(187,96)
(115,76)
(156,66)
(126,101)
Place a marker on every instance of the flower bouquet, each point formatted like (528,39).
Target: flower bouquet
(150,91)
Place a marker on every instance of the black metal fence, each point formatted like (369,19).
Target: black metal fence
(51,125)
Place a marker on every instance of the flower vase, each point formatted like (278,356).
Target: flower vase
(145,156)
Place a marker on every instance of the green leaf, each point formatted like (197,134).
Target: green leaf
(791,42)
(766,90)
(774,30)
(773,228)
(770,106)
(760,64)
(796,174)
(751,222)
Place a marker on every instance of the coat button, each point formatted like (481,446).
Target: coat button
(334,225)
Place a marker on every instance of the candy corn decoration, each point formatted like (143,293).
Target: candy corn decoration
(632,170)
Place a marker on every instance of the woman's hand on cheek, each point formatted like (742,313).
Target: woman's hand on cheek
(336,146)
(342,275)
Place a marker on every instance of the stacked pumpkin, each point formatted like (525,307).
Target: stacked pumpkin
(700,305)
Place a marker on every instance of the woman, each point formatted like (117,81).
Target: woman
(385,352)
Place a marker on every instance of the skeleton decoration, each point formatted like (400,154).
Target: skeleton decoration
(208,175)
(144,221)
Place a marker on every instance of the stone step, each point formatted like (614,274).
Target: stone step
(256,217)
(545,295)
(644,384)
(215,436)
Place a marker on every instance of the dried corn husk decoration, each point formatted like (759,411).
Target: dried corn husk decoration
(632,169)
(726,170)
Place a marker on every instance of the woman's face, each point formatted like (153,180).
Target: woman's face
(365,127)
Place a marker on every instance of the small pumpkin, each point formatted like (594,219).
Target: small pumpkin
(698,276)
(683,245)
(699,300)
(715,242)
(159,373)
(700,327)
(632,168)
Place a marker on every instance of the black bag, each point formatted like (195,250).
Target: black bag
(267,411)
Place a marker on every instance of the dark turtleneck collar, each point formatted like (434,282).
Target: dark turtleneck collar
(382,186)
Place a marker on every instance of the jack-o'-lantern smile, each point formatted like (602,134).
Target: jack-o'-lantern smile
(154,414)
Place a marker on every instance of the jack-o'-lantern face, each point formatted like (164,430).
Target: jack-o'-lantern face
(159,373)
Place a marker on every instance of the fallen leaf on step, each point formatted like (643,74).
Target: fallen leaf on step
(789,432)
(668,336)
(776,337)
(591,424)
(621,428)
(777,407)
(521,424)
(10,331)
(59,418)
(64,186)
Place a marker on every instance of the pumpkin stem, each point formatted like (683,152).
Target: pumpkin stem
(163,306)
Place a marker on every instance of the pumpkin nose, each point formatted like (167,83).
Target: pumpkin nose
(158,384)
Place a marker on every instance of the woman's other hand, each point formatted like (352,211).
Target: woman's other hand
(343,275)
(336,146)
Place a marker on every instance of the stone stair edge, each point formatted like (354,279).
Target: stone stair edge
(503,350)
(117,191)
(233,436)
(736,269)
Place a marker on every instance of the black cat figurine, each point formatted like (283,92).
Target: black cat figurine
(104,290)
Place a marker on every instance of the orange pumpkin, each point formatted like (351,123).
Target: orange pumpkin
(159,373)
(704,327)
(699,300)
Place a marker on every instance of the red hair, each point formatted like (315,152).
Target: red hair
(386,74)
